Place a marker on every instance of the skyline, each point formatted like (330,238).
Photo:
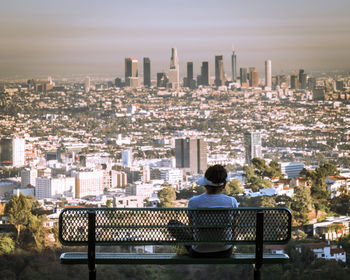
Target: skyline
(95,37)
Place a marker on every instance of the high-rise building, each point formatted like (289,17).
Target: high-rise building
(253,77)
(268,75)
(162,79)
(311,83)
(191,154)
(302,79)
(294,81)
(146,72)
(131,72)
(219,71)
(87,84)
(252,144)
(127,157)
(243,76)
(46,187)
(12,151)
(234,66)
(88,183)
(339,85)
(174,74)
(205,73)
(189,81)
(28,177)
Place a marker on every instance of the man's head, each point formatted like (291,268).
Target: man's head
(214,179)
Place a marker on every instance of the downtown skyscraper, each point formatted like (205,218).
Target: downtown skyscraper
(131,72)
(205,73)
(234,66)
(268,75)
(219,71)
(174,75)
(191,154)
(252,144)
(146,72)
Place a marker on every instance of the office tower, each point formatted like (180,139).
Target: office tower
(294,81)
(46,187)
(162,79)
(88,183)
(174,75)
(189,81)
(234,66)
(191,154)
(146,72)
(127,157)
(87,84)
(131,72)
(339,85)
(253,77)
(28,177)
(311,83)
(302,79)
(268,82)
(243,76)
(12,152)
(292,169)
(205,73)
(252,144)
(219,71)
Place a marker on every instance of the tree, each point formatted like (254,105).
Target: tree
(234,187)
(36,230)
(301,204)
(18,212)
(109,203)
(166,196)
(249,172)
(7,245)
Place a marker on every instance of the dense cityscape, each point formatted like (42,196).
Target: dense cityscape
(139,142)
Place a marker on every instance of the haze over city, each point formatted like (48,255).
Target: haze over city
(93,37)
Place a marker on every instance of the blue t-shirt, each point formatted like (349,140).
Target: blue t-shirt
(212,201)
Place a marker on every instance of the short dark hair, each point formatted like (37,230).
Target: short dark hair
(216,174)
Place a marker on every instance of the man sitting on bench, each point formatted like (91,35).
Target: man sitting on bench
(214,181)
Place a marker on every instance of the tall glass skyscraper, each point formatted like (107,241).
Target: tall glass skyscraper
(234,66)
(268,75)
(146,72)
(219,71)
(174,75)
(252,144)
(205,73)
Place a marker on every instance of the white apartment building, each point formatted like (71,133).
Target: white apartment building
(88,183)
(46,187)
(337,184)
(139,189)
(171,175)
(28,177)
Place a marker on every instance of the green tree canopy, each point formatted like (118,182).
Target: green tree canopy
(234,187)
(166,196)
(7,245)
(301,203)
(18,211)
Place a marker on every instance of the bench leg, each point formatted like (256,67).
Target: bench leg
(91,245)
(259,246)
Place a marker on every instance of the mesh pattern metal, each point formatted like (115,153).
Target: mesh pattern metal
(173,226)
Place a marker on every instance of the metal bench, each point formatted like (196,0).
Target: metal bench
(152,226)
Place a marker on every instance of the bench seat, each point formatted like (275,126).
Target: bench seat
(127,258)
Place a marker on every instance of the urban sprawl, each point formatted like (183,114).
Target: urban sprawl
(139,142)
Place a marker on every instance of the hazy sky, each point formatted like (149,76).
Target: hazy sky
(94,37)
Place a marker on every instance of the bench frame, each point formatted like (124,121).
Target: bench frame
(257,261)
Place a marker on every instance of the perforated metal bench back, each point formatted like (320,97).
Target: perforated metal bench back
(142,226)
